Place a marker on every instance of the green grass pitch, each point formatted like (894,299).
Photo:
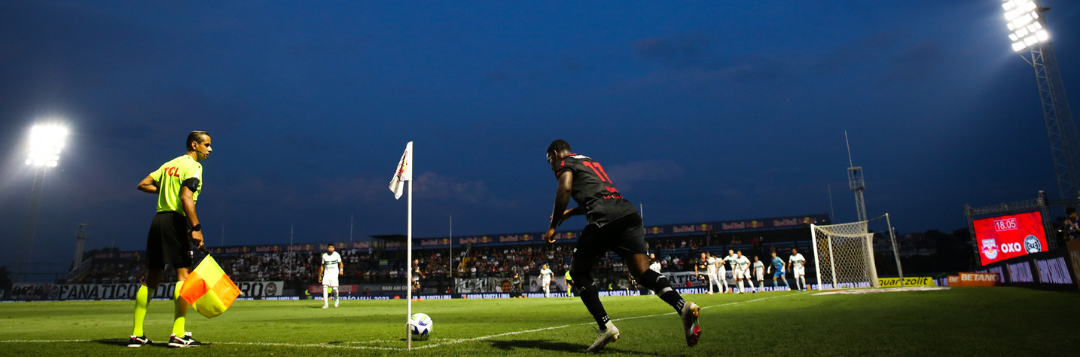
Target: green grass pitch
(960,321)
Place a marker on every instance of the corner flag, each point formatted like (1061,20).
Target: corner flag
(208,289)
(403,173)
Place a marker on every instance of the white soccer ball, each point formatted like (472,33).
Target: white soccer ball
(420,325)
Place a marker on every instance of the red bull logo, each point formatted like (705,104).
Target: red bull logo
(989,248)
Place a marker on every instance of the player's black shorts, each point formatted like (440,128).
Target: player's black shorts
(168,242)
(624,236)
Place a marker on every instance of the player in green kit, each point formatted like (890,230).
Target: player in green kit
(175,227)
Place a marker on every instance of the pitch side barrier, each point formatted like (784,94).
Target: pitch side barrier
(90,292)
(1055,269)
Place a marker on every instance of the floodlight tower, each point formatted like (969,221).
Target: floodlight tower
(856,182)
(1027,28)
(46,142)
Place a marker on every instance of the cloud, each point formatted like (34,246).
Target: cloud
(430,185)
(690,60)
(647,171)
(678,50)
(916,63)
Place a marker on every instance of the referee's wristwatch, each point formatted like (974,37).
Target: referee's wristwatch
(197,228)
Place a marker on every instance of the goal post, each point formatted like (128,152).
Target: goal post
(844,256)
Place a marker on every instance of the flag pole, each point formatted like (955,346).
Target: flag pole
(408,249)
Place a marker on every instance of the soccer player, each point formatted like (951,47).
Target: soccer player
(331,268)
(742,271)
(780,272)
(797,263)
(545,280)
(175,227)
(759,273)
(708,264)
(613,225)
(721,273)
(732,259)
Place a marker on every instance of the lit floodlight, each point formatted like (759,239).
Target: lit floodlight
(46,142)
(1022,19)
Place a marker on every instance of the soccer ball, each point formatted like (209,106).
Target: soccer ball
(420,325)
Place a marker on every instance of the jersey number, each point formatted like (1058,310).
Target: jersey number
(599,170)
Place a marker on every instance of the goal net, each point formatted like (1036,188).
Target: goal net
(844,256)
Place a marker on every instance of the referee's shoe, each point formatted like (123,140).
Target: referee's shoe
(186,341)
(138,341)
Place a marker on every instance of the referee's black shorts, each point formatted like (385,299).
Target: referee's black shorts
(167,242)
(624,236)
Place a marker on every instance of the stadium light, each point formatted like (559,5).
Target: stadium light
(46,142)
(1025,24)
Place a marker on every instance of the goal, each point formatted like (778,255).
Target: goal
(844,256)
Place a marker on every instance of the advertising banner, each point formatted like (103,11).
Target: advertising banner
(1005,237)
(908,282)
(1074,258)
(485,285)
(978,279)
(249,289)
(558,284)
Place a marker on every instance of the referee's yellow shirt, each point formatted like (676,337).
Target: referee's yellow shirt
(170,178)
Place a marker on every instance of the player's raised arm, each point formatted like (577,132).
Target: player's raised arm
(562,199)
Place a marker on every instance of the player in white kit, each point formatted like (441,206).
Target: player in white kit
(798,263)
(732,259)
(331,268)
(545,280)
(742,271)
(759,273)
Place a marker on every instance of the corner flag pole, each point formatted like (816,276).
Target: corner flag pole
(408,255)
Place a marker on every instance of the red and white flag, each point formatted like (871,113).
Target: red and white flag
(403,173)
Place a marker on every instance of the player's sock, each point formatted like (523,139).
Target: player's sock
(336,296)
(659,283)
(590,295)
(142,299)
(325,295)
(180,311)
(761,285)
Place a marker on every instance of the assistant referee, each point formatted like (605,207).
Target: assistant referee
(174,228)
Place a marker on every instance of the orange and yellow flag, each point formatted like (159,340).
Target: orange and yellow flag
(208,289)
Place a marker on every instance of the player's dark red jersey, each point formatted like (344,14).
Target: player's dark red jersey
(593,190)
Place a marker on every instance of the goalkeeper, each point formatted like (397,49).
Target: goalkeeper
(175,227)
(778,264)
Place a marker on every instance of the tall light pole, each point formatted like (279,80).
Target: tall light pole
(46,142)
(856,183)
(1031,40)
